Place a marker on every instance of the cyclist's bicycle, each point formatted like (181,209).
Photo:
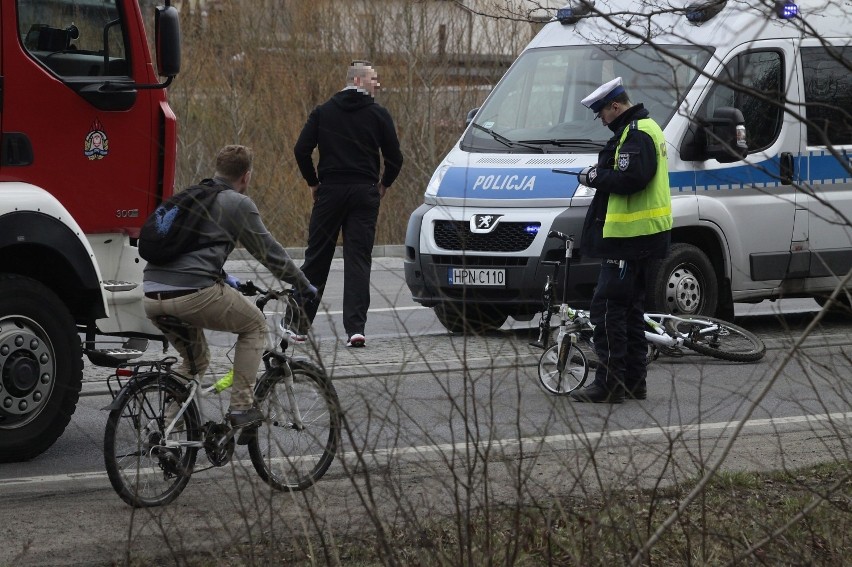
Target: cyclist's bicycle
(564,367)
(156,424)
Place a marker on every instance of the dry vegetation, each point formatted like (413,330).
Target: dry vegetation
(251,76)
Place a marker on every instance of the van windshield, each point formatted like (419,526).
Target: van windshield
(537,103)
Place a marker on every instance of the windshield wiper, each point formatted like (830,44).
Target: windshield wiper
(563,142)
(506,141)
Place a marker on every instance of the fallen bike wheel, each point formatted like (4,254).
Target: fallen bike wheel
(561,377)
(143,469)
(719,339)
(294,446)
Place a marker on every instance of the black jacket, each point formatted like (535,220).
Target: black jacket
(639,150)
(349,129)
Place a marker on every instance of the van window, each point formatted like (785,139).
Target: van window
(827,73)
(537,104)
(745,83)
(74,38)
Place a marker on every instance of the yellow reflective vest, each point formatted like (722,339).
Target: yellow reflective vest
(648,211)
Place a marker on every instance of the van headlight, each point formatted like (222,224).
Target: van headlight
(435,182)
(584,191)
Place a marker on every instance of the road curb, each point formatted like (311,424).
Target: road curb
(380,251)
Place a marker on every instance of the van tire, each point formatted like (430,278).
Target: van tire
(469,319)
(684,283)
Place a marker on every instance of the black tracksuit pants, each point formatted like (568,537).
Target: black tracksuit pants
(617,310)
(354,209)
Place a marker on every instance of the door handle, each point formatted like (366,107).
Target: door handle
(787,168)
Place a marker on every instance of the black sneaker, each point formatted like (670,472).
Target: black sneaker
(636,391)
(596,394)
(245,418)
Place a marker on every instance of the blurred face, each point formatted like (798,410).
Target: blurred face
(370,82)
(610,112)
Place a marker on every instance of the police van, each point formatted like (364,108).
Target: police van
(754,100)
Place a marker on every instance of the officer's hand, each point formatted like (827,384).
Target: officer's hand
(233,281)
(587,176)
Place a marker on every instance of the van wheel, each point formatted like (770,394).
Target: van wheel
(840,305)
(684,283)
(469,319)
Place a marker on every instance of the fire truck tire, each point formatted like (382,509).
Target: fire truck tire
(41,368)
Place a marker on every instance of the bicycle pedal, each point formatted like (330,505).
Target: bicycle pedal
(246,436)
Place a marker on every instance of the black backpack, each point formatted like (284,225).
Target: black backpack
(173,228)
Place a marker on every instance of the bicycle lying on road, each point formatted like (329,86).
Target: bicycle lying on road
(564,367)
(156,424)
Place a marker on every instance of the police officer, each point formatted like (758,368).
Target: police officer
(628,224)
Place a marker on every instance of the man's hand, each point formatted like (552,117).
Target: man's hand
(382,190)
(306,295)
(232,281)
(587,176)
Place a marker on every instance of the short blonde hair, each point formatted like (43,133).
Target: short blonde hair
(233,161)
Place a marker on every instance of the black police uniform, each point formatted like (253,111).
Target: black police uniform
(618,304)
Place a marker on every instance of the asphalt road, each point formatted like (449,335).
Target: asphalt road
(425,408)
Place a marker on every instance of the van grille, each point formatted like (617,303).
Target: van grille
(507,237)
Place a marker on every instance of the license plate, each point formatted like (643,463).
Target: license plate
(477,277)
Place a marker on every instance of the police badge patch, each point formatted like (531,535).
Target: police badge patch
(623,161)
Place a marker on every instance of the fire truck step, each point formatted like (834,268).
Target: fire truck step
(115,285)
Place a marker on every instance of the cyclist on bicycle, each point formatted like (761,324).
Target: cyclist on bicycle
(195,288)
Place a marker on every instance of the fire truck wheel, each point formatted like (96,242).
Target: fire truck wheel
(41,368)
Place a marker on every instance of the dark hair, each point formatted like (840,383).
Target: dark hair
(621,99)
(233,161)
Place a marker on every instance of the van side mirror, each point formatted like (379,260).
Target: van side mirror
(167,34)
(726,135)
(722,137)
(470,116)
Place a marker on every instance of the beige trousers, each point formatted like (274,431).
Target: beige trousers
(219,308)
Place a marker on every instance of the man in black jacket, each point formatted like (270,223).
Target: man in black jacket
(628,224)
(350,130)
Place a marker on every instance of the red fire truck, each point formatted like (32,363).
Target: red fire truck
(88,150)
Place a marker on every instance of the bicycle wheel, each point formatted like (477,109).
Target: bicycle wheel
(563,377)
(295,445)
(719,339)
(141,468)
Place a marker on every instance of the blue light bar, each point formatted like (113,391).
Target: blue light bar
(786,10)
(575,10)
(701,12)
(565,15)
(532,229)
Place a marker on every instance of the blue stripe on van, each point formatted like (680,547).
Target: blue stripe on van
(542,183)
(499,183)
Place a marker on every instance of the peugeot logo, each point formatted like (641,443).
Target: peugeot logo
(483,223)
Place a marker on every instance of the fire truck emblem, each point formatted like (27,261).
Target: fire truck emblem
(97,144)
(483,223)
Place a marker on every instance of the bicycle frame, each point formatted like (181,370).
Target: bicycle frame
(573,321)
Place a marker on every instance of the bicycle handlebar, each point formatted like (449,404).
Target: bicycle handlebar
(249,289)
(560,235)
